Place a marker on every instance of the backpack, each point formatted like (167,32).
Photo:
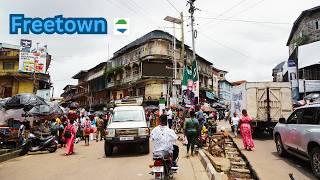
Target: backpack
(67,133)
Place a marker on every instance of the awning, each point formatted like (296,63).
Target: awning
(210,95)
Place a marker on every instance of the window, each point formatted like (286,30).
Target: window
(295,117)
(317,25)
(8,65)
(221,75)
(308,116)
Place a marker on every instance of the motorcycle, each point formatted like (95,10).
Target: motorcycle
(162,167)
(34,144)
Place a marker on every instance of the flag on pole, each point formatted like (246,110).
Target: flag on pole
(190,85)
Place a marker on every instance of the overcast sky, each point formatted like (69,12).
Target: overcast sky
(246,50)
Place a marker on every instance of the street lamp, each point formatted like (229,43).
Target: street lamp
(174,21)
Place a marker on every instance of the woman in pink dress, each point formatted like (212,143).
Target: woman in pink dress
(70,140)
(245,130)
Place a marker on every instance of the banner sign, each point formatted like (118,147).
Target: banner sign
(238,101)
(293,78)
(190,85)
(32,60)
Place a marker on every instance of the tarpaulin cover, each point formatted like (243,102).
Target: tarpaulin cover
(25,99)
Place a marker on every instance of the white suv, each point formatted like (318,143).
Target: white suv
(127,125)
(300,135)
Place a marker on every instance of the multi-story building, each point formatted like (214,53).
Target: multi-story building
(98,94)
(12,81)
(68,93)
(224,88)
(144,68)
(90,92)
(82,89)
(306,29)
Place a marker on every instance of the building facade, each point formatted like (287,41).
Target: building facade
(12,81)
(224,88)
(306,29)
(145,68)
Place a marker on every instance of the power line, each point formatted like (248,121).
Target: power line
(246,9)
(227,47)
(226,11)
(173,6)
(247,21)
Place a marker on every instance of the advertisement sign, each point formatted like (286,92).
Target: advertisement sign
(293,78)
(190,86)
(32,60)
(238,98)
(44,93)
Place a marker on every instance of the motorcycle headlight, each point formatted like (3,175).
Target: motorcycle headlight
(110,133)
(143,131)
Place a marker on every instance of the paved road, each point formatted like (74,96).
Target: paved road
(91,163)
(269,165)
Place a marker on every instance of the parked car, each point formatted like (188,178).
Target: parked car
(299,135)
(127,125)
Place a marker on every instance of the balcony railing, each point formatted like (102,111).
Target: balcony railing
(123,81)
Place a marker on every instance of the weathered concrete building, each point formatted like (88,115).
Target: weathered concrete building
(12,81)
(306,29)
(144,68)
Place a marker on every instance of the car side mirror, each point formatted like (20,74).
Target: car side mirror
(282,120)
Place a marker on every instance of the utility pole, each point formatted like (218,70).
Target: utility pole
(182,40)
(193,32)
(191,11)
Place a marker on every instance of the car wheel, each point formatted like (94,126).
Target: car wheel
(315,161)
(280,149)
(108,148)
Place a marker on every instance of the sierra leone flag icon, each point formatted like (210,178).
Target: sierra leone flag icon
(121,26)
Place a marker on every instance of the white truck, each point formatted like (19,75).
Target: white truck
(265,102)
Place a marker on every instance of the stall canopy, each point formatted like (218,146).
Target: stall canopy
(23,100)
(210,95)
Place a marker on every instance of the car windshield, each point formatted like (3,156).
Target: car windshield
(129,115)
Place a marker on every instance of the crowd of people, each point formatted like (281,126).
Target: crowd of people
(197,126)
(76,125)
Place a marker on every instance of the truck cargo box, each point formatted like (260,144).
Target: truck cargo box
(265,102)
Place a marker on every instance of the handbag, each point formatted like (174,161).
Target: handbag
(67,133)
(87,130)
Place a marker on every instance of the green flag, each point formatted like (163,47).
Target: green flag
(194,71)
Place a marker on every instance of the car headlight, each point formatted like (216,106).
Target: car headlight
(143,131)
(110,133)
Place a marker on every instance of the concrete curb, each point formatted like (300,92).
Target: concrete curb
(211,171)
(9,155)
(254,172)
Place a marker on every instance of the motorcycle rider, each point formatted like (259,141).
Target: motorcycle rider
(164,140)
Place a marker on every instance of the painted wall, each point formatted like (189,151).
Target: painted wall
(25,87)
(153,90)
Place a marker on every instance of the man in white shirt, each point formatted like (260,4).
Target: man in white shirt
(164,139)
(235,122)
(170,117)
